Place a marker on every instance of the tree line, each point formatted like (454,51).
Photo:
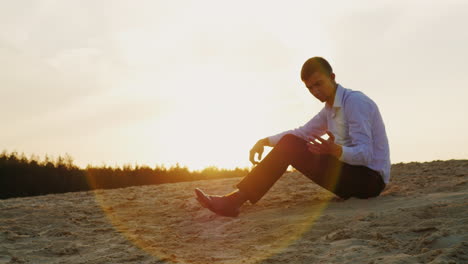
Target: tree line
(21,176)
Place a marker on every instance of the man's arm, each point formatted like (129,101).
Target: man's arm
(316,126)
(359,115)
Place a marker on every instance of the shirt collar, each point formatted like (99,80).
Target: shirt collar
(337,103)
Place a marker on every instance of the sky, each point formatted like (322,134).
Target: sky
(199,82)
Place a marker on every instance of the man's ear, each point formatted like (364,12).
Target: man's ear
(332,76)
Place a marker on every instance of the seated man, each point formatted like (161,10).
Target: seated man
(353,162)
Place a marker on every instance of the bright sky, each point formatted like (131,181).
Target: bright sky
(199,82)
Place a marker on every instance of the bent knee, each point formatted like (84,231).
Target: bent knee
(291,141)
(289,138)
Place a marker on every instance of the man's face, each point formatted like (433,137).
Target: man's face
(322,86)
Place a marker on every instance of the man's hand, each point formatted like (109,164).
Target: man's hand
(258,148)
(319,145)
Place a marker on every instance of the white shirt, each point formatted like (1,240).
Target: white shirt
(358,127)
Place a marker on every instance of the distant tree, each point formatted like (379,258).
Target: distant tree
(20,176)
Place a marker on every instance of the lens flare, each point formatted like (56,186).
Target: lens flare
(166,222)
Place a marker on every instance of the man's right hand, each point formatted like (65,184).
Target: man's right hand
(258,148)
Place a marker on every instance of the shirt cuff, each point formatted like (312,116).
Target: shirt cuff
(346,154)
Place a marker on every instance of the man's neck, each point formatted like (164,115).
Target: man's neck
(331,100)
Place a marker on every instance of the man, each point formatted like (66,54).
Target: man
(353,162)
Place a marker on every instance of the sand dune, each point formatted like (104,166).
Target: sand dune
(420,218)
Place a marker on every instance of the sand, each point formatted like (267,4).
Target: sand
(421,217)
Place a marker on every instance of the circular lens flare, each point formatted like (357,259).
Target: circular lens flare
(166,222)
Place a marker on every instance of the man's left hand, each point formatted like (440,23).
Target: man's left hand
(319,145)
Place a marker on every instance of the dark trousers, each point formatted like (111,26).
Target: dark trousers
(342,179)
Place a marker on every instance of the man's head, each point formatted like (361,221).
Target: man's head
(318,77)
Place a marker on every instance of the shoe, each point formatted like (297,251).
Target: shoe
(217,204)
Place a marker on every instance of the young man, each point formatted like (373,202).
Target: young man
(353,162)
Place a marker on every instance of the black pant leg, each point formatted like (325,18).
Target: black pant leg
(327,171)
(290,150)
(359,181)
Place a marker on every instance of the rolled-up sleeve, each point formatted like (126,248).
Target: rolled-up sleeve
(317,126)
(359,115)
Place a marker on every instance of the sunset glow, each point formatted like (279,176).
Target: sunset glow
(197,83)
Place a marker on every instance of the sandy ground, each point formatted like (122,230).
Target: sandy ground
(422,217)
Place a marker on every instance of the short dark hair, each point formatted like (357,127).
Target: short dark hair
(315,64)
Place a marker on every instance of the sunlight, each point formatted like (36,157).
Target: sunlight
(219,95)
(210,121)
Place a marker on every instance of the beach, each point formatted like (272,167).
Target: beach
(421,217)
